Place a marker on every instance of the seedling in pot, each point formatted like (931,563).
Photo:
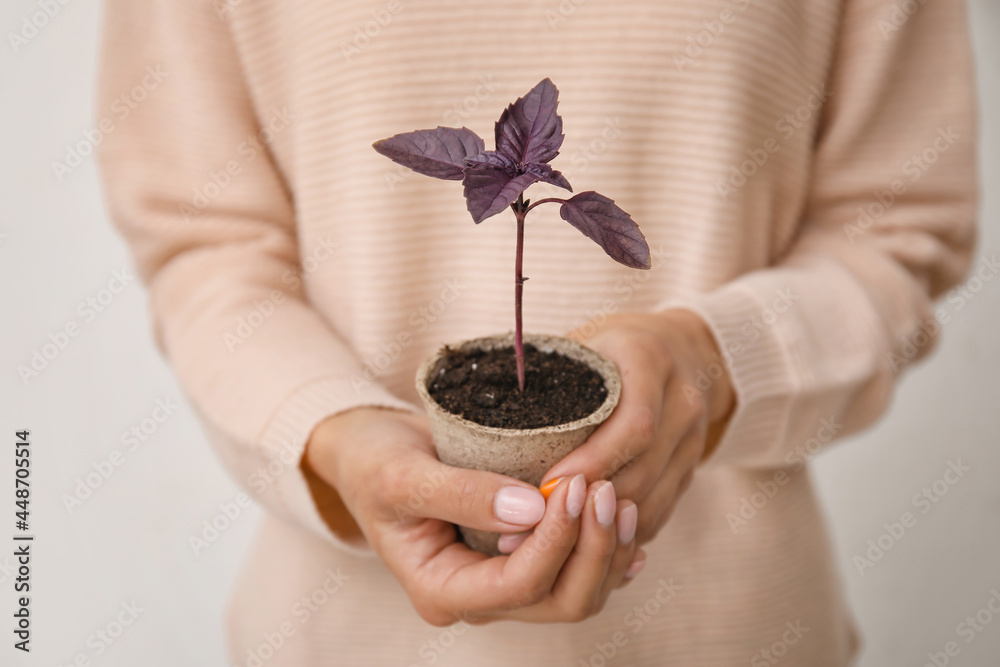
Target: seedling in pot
(528,136)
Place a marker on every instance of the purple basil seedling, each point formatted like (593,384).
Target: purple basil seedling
(528,135)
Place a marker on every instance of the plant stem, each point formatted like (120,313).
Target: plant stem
(547,200)
(519,212)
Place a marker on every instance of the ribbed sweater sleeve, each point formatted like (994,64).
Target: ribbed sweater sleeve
(194,187)
(815,342)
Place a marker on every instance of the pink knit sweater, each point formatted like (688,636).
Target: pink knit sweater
(802,169)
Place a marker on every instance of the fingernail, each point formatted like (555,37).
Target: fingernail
(550,486)
(576,497)
(628,518)
(635,568)
(604,504)
(509,542)
(517,505)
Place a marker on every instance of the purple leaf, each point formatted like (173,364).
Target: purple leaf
(440,153)
(490,189)
(494,159)
(547,174)
(609,226)
(530,130)
(496,181)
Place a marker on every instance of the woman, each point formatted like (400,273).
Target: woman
(804,173)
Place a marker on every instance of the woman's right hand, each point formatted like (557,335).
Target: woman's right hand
(383,466)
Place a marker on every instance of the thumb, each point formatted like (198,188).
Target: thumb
(422,486)
(613,447)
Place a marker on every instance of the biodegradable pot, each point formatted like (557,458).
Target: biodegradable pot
(525,454)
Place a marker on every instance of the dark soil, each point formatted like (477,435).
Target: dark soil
(481,386)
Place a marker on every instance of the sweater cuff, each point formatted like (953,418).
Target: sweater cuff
(283,441)
(759,368)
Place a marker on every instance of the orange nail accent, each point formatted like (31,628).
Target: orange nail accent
(550,486)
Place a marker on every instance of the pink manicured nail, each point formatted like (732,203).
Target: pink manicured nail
(520,506)
(576,497)
(604,504)
(635,568)
(628,518)
(511,541)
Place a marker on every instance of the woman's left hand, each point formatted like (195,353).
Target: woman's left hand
(664,424)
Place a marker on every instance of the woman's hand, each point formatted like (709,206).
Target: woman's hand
(657,435)
(379,467)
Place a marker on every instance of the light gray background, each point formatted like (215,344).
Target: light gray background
(129,541)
